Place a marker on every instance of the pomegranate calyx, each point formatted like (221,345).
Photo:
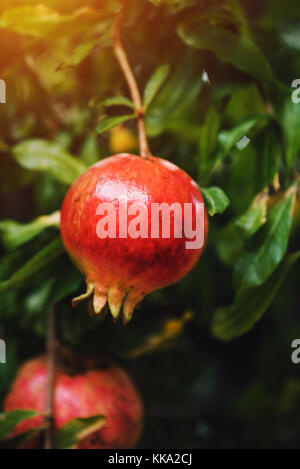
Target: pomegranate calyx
(99,301)
(89,291)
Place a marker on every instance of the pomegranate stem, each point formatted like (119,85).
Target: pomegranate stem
(131,81)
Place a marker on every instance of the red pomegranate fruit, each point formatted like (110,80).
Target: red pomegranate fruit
(128,223)
(108,392)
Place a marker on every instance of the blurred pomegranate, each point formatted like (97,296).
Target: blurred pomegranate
(108,392)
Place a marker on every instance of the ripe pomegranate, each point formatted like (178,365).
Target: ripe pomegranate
(119,268)
(108,392)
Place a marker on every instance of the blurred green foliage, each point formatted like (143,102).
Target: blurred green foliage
(216,78)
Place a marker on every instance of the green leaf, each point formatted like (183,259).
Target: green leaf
(250,304)
(242,184)
(75,430)
(118,101)
(90,151)
(110,122)
(40,21)
(256,215)
(154,84)
(290,121)
(230,48)
(9,420)
(269,247)
(77,55)
(33,20)
(268,158)
(48,157)
(229,244)
(216,200)
(38,299)
(18,441)
(245,102)
(176,99)
(67,282)
(229,138)
(208,142)
(34,265)
(14,234)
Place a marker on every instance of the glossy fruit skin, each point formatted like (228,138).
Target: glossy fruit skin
(123,271)
(107,392)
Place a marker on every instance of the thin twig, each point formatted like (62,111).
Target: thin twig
(131,81)
(49,419)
